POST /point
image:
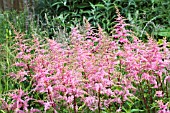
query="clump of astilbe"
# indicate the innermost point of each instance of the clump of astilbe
(18, 100)
(146, 65)
(81, 72)
(19, 103)
(92, 73)
(97, 65)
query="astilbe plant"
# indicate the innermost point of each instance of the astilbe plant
(95, 72)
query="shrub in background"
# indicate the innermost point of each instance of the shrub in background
(150, 16)
(55, 16)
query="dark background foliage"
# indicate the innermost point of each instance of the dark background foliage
(50, 17)
(150, 16)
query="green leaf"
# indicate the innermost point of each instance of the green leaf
(2, 111)
(111, 8)
(81, 107)
(1, 16)
(168, 44)
(153, 1)
(83, 5)
(100, 5)
(65, 64)
(57, 3)
(90, 18)
(98, 16)
(92, 5)
(83, 73)
(126, 110)
(164, 32)
(96, 43)
(136, 110)
(129, 104)
(160, 42)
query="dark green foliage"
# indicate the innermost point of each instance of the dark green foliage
(147, 15)
(150, 16)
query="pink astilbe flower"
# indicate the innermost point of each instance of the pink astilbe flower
(20, 64)
(19, 102)
(159, 94)
(167, 79)
(146, 76)
(119, 29)
(20, 75)
(76, 35)
(47, 105)
(163, 108)
(119, 110)
(91, 102)
(35, 111)
(4, 105)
